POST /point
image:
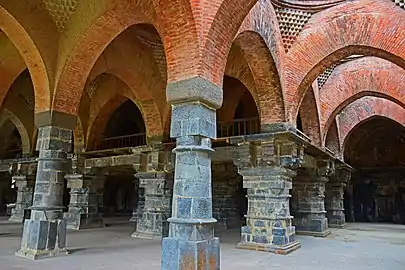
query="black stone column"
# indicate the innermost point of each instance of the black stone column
(24, 177)
(44, 234)
(334, 201)
(268, 165)
(309, 200)
(191, 243)
(156, 205)
(140, 205)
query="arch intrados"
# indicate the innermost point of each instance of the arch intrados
(352, 99)
(334, 58)
(22, 130)
(32, 58)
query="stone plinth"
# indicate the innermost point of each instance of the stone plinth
(268, 163)
(24, 177)
(309, 200)
(44, 234)
(152, 221)
(191, 243)
(334, 201)
(140, 205)
(84, 206)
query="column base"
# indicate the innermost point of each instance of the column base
(81, 221)
(147, 235)
(314, 234)
(281, 250)
(43, 238)
(191, 255)
(17, 219)
(337, 225)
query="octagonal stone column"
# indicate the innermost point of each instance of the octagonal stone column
(191, 243)
(44, 234)
(24, 177)
(268, 164)
(334, 200)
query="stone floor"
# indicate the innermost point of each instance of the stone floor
(359, 246)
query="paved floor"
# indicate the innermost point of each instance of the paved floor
(359, 247)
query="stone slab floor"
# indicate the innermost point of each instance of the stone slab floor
(359, 246)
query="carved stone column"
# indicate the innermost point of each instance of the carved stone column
(191, 243)
(140, 205)
(309, 199)
(268, 162)
(24, 177)
(44, 234)
(84, 187)
(334, 201)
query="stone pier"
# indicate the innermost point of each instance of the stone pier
(268, 162)
(309, 200)
(153, 221)
(4, 185)
(84, 205)
(334, 202)
(24, 177)
(140, 205)
(224, 187)
(191, 243)
(44, 234)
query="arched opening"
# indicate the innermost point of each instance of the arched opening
(10, 141)
(299, 123)
(124, 128)
(239, 114)
(376, 149)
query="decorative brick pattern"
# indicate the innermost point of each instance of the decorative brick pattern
(400, 3)
(291, 22)
(61, 10)
(325, 76)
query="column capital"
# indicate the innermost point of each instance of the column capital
(283, 149)
(24, 169)
(325, 167)
(156, 160)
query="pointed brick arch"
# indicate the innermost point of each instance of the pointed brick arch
(26, 27)
(111, 94)
(369, 76)
(22, 130)
(360, 27)
(362, 110)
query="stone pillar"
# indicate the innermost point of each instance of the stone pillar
(309, 199)
(191, 243)
(334, 201)
(4, 182)
(24, 177)
(157, 201)
(140, 205)
(84, 205)
(225, 183)
(268, 165)
(44, 234)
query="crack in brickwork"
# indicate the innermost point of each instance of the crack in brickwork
(291, 22)
(61, 10)
(400, 3)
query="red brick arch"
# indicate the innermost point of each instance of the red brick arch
(22, 130)
(24, 27)
(86, 41)
(110, 95)
(365, 109)
(367, 27)
(369, 76)
(309, 112)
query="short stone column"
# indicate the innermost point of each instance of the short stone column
(157, 201)
(309, 200)
(84, 207)
(334, 200)
(24, 179)
(140, 205)
(191, 243)
(268, 165)
(44, 234)
(4, 185)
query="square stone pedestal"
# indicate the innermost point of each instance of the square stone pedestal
(43, 238)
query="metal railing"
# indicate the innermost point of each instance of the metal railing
(122, 142)
(238, 127)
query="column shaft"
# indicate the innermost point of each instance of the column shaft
(334, 202)
(309, 197)
(191, 243)
(44, 234)
(24, 180)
